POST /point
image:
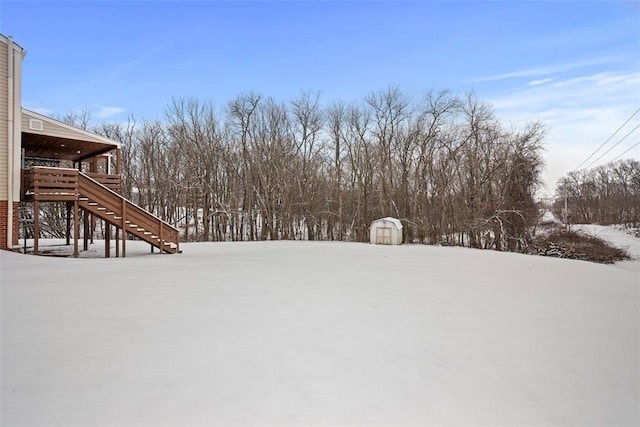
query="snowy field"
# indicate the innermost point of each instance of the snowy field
(303, 333)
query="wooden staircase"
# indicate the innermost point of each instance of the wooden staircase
(115, 209)
(60, 184)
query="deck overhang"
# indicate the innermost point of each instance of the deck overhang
(47, 138)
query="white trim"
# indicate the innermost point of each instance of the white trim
(36, 124)
(10, 133)
(92, 136)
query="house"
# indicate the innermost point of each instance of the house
(386, 231)
(33, 150)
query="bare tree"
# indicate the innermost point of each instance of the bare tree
(607, 194)
(263, 169)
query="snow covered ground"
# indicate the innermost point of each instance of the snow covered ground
(304, 333)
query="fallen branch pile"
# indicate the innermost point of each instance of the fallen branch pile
(559, 250)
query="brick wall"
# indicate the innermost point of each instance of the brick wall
(4, 210)
(16, 223)
(3, 223)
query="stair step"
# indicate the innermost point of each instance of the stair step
(128, 226)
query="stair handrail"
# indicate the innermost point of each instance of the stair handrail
(129, 202)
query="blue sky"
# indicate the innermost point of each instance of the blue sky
(573, 65)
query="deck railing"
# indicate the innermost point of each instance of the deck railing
(59, 184)
(112, 182)
(49, 184)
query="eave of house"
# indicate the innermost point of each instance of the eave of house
(8, 39)
(45, 137)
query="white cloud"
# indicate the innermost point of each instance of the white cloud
(548, 69)
(580, 114)
(541, 81)
(106, 112)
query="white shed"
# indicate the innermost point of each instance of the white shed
(386, 231)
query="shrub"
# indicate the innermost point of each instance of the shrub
(570, 244)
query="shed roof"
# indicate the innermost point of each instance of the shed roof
(395, 221)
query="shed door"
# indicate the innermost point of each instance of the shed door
(383, 235)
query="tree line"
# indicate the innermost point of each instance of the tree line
(607, 194)
(257, 168)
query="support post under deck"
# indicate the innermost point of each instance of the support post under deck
(36, 225)
(161, 237)
(107, 239)
(124, 228)
(115, 227)
(68, 230)
(85, 235)
(76, 227)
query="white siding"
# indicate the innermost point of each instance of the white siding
(10, 168)
(17, 127)
(4, 112)
(55, 128)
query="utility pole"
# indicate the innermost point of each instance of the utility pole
(566, 210)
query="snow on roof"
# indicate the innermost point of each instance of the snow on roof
(395, 221)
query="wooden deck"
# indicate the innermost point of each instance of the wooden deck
(97, 195)
(60, 184)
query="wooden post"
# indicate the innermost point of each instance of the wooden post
(85, 235)
(124, 227)
(68, 231)
(107, 239)
(117, 241)
(160, 236)
(118, 157)
(36, 225)
(92, 169)
(93, 228)
(76, 227)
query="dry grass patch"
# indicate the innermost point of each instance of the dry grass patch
(557, 242)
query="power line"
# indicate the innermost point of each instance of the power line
(626, 151)
(608, 139)
(612, 147)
